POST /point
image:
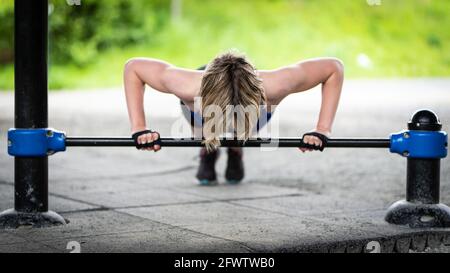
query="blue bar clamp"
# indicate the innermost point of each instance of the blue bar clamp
(420, 144)
(35, 142)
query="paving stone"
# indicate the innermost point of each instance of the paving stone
(403, 245)
(56, 203)
(88, 223)
(28, 247)
(109, 231)
(155, 240)
(216, 213)
(132, 197)
(434, 240)
(337, 248)
(236, 192)
(419, 242)
(387, 245)
(354, 248)
(446, 239)
(7, 238)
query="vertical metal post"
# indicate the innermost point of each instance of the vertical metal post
(423, 180)
(31, 111)
(421, 207)
(31, 173)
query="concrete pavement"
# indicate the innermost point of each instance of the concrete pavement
(124, 200)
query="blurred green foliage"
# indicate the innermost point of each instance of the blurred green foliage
(90, 43)
(79, 33)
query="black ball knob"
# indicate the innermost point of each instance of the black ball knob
(424, 120)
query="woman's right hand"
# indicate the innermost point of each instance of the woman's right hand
(317, 138)
(146, 136)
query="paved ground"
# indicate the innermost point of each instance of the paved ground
(120, 199)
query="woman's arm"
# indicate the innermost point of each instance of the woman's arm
(137, 73)
(305, 75)
(161, 76)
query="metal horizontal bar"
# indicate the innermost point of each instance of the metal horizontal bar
(189, 142)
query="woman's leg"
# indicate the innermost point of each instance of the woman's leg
(234, 172)
(206, 173)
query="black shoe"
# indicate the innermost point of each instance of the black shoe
(206, 173)
(235, 166)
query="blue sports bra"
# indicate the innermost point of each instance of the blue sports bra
(197, 119)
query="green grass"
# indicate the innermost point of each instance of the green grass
(402, 38)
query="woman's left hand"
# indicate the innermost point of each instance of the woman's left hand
(313, 140)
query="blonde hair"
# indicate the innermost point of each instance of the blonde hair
(230, 80)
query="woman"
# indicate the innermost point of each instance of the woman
(230, 79)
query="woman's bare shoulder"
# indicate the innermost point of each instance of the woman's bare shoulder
(276, 83)
(183, 83)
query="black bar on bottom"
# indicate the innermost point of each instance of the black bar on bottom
(31, 184)
(189, 142)
(423, 180)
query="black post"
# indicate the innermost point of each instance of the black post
(422, 180)
(421, 207)
(30, 173)
(31, 100)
